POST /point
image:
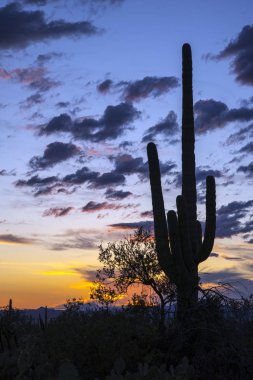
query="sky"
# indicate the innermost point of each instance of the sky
(85, 85)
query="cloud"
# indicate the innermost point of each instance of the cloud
(105, 86)
(140, 89)
(167, 127)
(110, 126)
(63, 104)
(115, 195)
(247, 169)
(4, 172)
(247, 148)
(232, 219)
(13, 239)
(58, 211)
(32, 77)
(127, 164)
(240, 50)
(241, 135)
(36, 181)
(77, 239)
(20, 28)
(149, 86)
(81, 2)
(80, 176)
(88, 273)
(54, 153)
(94, 206)
(107, 179)
(201, 174)
(148, 225)
(44, 58)
(32, 101)
(212, 114)
(146, 214)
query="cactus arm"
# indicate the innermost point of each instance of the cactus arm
(199, 239)
(160, 223)
(210, 227)
(185, 234)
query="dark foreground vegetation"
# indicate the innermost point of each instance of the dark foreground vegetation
(215, 341)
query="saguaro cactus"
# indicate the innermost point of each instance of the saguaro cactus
(179, 242)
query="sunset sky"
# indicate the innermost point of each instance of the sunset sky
(85, 85)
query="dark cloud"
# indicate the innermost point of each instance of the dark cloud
(61, 123)
(82, 2)
(44, 58)
(63, 104)
(201, 174)
(146, 214)
(140, 89)
(148, 225)
(88, 273)
(107, 179)
(232, 219)
(20, 28)
(241, 135)
(212, 114)
(58, 211)
(240, 50)
(127, 164)
(148, 86)
(80, 176)
(105, 86)
(13, 239)
(36, 181)
(247, 169)
(110, 126)
(54, 153)
(247, 148)
(32, 77)
(4, 172)
(32, 101)
(231, 277)
(94, 206)
(167, 127)
(115, 195)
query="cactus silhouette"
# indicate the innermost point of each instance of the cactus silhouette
(179, 242)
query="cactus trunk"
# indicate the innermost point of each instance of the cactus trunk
(179, 240)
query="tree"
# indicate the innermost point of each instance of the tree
(103, 294)
(134, 261)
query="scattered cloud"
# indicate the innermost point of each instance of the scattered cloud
(110, 126)
(247, 169)
(14, 239)
(54, 153)
(212, 114)
(140, 89)
(248, 148)
(20, 28)
(94, 206)
(58, 211)
(167, 127)
(241, 135)
(232, 219)
(35, 78)
(127, 164)
(240, 50)
(115, 195)
(148, 225)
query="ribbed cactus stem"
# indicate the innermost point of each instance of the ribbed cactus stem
(179, 244)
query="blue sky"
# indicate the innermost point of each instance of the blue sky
(85, 85)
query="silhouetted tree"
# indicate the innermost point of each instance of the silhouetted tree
(134, 261)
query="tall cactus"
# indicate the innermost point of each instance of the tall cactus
(179, 242)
